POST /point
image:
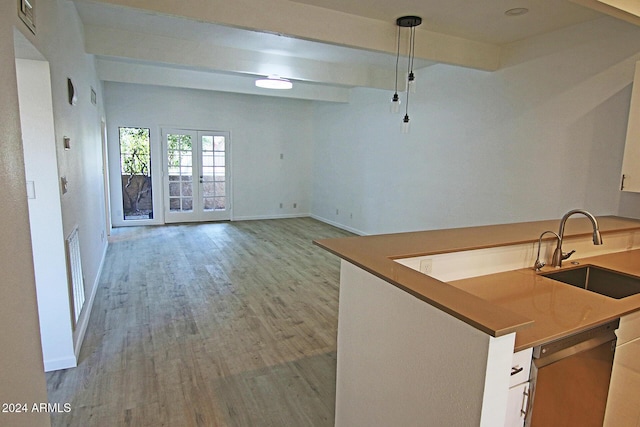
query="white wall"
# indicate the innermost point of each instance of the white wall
(540, 136)
(45, 213)
(22, 376)
(59, 39)
(262, 128)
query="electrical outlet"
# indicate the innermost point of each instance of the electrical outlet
(337, 212)
(426, 266)
(280, 205)
(295, 205)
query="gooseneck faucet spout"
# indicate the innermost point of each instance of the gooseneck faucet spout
(558, 255)
(537, 266)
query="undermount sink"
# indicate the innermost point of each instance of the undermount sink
(598, 280)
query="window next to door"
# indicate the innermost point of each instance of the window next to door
(135, 168)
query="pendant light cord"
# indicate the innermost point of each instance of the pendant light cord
(409, 68)
(412, 52)
(397, 59)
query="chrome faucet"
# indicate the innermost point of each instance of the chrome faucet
(537, 266)
(558, 255)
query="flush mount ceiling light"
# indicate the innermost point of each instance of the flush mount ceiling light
(517, 11)
(410, 22)
(274, 82)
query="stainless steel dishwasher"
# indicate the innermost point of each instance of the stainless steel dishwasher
(570, 379)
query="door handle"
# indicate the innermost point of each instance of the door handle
(516, 370)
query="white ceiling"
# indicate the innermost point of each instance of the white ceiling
(243, 52)
(134, 20)
(482, 20)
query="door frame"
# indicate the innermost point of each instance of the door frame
(195, 216)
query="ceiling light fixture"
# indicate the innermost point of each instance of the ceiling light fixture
(517, 11)
(274, 82)
(410, 22)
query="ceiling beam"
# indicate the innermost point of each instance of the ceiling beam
(115, 70)
(626, 10)
(323, 25)
(151, 48)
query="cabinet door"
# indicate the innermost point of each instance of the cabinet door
(517, 405)
(631, 161)
(520, 367)
(623, 408)
(629, 328)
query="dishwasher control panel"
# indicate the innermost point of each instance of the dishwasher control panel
(605, 332)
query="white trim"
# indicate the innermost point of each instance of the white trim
(258, 217)
(60, 363)
(137, 222)
(496, 383)
(338, 225)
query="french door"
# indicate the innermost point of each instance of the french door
(196, 176)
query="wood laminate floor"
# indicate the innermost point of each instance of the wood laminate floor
(217, 324)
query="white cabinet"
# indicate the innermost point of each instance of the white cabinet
(629, 328)
(518, 400)
(631, 162)
(517, 405)
(623, 404)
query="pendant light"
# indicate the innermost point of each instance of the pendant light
(410, 22)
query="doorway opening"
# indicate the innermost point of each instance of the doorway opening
(196, 175)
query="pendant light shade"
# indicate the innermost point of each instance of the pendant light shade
(395, 103)
(410, 22)
(405, 124)
(274, 82)
(411, 82)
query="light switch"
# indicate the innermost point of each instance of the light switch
(63, 184)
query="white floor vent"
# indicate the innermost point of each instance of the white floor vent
(75, 274)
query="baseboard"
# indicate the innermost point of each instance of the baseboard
(259, 217)
(61, 363)
(338, 225)
(83, 321)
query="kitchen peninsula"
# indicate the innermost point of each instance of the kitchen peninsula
(415, 349)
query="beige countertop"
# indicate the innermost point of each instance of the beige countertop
(557, 309)
(537, 308)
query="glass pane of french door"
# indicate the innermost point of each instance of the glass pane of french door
(180, 168)
(213, 172)
(197, 176)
